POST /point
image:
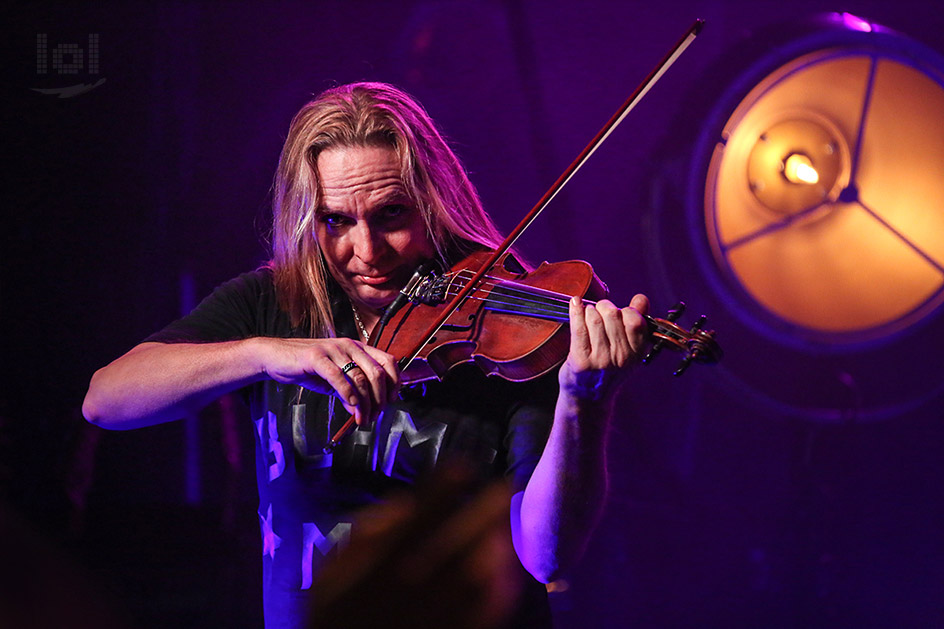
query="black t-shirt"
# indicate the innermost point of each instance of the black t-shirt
(307, 499)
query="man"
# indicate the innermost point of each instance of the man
(366, 190)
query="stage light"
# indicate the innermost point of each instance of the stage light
(823, 196)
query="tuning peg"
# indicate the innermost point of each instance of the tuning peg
(686, 361)
(699, 323)
(653, 351)
(676, 311)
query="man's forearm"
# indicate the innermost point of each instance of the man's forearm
(156, 382)
(553, 518)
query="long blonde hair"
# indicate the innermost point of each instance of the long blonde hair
(365, 114)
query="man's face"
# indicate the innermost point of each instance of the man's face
(371, 234)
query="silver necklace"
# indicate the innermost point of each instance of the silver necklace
(360, 324)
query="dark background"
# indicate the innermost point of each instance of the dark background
(789, 487)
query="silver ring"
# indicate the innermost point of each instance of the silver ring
(346, 368)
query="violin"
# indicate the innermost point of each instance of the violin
(514, 323)
(490, 311)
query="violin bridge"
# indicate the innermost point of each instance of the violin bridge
(430, 290)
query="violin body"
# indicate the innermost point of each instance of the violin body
(488, 328)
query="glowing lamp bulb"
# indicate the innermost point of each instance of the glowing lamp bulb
(798, 168)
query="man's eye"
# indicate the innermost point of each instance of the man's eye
(395, 211)
(332, 220)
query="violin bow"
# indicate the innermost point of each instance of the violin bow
(641, 90)
(601, 136)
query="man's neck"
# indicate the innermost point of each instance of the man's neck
(364, 319)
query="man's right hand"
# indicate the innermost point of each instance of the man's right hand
(323, 365)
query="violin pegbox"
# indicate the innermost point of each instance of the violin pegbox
(695, 344)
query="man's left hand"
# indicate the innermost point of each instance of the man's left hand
(605, 343)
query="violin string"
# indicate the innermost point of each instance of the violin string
(522, 290)
(506, 298)
(515, 298)
(557, 301)
(500, 296)
(558, 315)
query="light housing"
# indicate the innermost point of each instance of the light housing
(857, 255)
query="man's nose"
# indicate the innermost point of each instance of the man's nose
(368, 245)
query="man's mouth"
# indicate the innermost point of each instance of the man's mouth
(376, 280)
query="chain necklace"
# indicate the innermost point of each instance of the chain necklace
(360, 324)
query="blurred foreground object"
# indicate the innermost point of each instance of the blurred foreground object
(440, 557)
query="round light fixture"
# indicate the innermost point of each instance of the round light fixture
(823, 203)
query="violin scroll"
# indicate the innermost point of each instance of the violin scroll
(695, 344)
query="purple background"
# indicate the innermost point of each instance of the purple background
(790, 487)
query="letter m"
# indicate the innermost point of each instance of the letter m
(402, 427)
